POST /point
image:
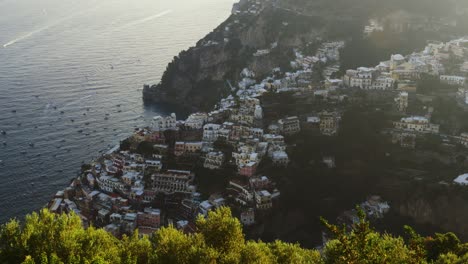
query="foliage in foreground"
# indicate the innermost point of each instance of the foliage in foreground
(49, 238)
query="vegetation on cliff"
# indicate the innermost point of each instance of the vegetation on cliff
(50, 238)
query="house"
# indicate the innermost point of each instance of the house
(248, 169)
(258, 113)
(196, 120)
(406, 71)
(247, 217)
(259, 182)
(329, 123)
(214, 160)
(402, 101)
(464, 67)
(173, 181)
(110, 184)
(396, 60)
(382, 82)
(361, 78)
(154, 164)
(329, 162)
(462, 179)
(464, 139)
(179, 148)
(280, 158)
(289, 125)
(417, 124)
(404, 139)
(149, 218)
(161, 123)
(205, 207)
(187, 148)
(453, 80)
(263, 200)
(211, 132)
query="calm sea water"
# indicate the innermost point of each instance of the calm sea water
(71, 74)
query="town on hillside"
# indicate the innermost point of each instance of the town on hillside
(173, 171)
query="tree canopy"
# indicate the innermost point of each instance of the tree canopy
(45, 237)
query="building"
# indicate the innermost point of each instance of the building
(453, 80)
(149, 218)
(196, 120)
(173, 181)
(404, 139)
(248, 169)
(462, 179)
(290, 125)
(280, 158)
(464, 139)
(187, 148)
(329, 123)
(329, 162)
(402, 101)
(396, 60)
(153, 164)
(211, 132)
(417, 124)
(247, 217)
(258, 113)
(263, 200)
(361, 78)
(161, 123)
(110, 184)
(214, 160)
(179, 148)
(382, 83)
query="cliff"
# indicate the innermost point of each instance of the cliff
(198, 77)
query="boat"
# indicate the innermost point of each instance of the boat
(3, 132)
(31, 145)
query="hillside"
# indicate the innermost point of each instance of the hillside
(198, 77)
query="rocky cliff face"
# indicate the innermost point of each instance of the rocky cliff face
(447, 209)
(198, 77)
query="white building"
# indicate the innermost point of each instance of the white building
(453, 80)
(263, 200)
(258, 113)
(362, 77)
(462, 179)
(211, 132)
(417, 124)
(382, 83)
(161, 123)
(280, 158)
(110, 184)
(396, 60)
(196, 120)
(402, 101)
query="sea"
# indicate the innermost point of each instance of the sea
(71, 78)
